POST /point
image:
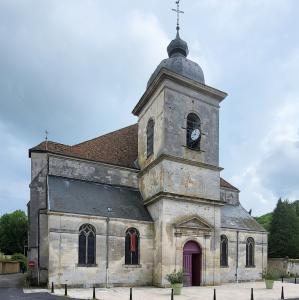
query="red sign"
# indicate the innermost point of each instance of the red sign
(31, 264)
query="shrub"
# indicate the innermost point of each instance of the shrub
(20, 258)
(175, 277)
(271, 276)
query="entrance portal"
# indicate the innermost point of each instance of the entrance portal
(192, 263)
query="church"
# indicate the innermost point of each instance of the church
(131, 206)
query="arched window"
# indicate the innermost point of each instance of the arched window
(150, 137)
(250, 252)
(87, 245)
(193, 136)
(223, 251)
(132, 247)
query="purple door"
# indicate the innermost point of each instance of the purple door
(192, 263)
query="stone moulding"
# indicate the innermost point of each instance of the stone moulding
(177, 159)
(166, 74)
(172, 196)
(193, 222)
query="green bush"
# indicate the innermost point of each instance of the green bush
(175, 277)
(20, 258)
(271, 276)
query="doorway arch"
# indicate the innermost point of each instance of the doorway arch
(192, 261)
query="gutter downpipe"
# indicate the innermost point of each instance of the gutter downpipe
(109, 210)
(237, 257)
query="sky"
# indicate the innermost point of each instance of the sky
(78, 67)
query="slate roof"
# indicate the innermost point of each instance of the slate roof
(236, 217)
(89, 198)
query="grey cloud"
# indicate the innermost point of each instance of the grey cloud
(78, 67)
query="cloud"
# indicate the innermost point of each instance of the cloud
(77, 68)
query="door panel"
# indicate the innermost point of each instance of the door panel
(196, 269)
(187, 266)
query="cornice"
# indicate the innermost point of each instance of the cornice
(182, 80)
(179, 160)
(173, 196)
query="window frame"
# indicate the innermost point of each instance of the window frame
(150, 134)
(193, 122)
(127, 243)
(223, 239)
(87, 230)
(250, 253)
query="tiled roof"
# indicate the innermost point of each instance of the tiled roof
(225, 184)
(118, 148)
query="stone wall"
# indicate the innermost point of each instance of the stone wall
(239, 271)
(169, 107)
(170, 241)
(284, 266)
(43, 164)
(182, 179)
(37, 216)
(63, 250)
(229, 196)
(91, 171)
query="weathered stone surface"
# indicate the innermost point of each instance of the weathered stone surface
(180, 188)
(63, 252)
(90, 171)
(243, 273)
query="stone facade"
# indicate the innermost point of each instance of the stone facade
(176, 193)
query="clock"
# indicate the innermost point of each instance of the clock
(195, 134)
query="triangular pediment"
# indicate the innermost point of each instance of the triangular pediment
(193, 222)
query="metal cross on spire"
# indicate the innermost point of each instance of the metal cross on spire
(46, 135)
(46, 138)
(178, 11)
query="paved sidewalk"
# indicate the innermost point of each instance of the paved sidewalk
(233, 291)
(11, 288)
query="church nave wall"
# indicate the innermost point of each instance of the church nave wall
(228, 274)
(64, 247)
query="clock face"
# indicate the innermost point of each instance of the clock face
(195, 134)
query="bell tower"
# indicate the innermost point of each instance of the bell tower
(178, 120)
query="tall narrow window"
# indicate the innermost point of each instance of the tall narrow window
(250, 252)
(132, 247)
(87, 245)
(193, 135)
(150, 138)
(223, 251)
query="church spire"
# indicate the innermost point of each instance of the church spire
(178, 47)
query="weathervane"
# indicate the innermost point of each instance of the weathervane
(46, 138)
(178, 11)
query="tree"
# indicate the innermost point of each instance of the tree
(13, 232)
(284, 231)
(265, 220)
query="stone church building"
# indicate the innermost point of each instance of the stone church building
(129, 207)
